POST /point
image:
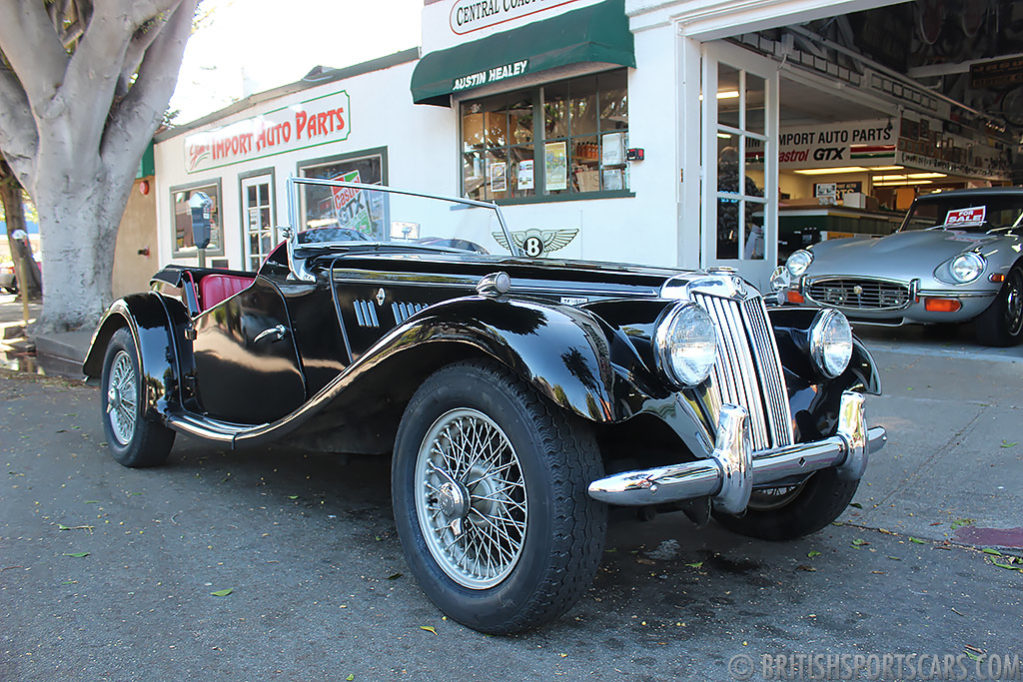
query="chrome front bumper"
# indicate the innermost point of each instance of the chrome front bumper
(730, 473)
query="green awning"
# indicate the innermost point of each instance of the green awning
(597, 33)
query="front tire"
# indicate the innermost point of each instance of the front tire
(134, 440)
(1002, 323)
(489, 491)
(794, 511)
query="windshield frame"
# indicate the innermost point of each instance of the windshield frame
(965, 201)
(298, 264)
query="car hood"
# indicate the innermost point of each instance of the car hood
(903, 255)
(553, 275)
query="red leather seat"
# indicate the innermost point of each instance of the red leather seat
(215, 288)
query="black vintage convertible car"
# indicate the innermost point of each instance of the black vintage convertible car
(518, 397)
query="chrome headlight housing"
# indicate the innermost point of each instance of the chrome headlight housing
(685, 344)
(831, 343)
(798, 262)
(966, 267)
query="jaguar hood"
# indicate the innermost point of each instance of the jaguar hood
(902, 255)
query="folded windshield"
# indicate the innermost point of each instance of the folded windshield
(334, 213)
(978, 212)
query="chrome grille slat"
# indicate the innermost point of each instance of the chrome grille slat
(859, 293)
(748, 370)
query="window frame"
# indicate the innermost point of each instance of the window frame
(192, 251)
(243, 225)
(541, 194)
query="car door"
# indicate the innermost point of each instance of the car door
(246, 363)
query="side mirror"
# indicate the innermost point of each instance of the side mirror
(201, 206)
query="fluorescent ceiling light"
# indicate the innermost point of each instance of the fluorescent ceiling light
(903, 183)
(728, 94)
(885, 168)
(829, 171)
(919, 176)
(725, 136)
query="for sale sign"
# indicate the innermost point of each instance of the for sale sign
(974, 214)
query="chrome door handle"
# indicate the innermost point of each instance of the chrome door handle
(277, 333)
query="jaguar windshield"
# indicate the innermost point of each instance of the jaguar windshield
(338, 215)
(965, 212)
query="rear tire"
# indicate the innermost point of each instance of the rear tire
(134, 440)
(489, 487)
(1002, 323)
(782, 514)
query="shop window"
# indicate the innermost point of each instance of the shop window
(182, 220)
(259, 234)
(565, 138)
(333, 207)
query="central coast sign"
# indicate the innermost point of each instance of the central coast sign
(309, 123)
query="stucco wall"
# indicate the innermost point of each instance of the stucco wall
(138, 231)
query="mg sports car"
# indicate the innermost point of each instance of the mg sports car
(517, 397)
(957, 257)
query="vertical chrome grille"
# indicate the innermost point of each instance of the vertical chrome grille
(748, 370)
(366, 314)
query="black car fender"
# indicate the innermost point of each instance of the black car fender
(149, 318)
(561, 351)
(814, 399)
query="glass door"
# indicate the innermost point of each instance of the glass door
(739, 162)
(260, 236)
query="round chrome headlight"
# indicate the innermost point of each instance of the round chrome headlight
(967, 267)
(798, 262)
(831, 343)
(686, 345)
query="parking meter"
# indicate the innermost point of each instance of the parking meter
(201, 206)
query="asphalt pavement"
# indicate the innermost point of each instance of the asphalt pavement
(110, 573)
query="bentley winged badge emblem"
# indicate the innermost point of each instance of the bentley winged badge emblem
(536, 242)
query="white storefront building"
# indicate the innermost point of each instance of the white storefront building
(584, 118)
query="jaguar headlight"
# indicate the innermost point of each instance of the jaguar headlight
(831, 343)
(798, 262)
(686, 345)
(967, 267)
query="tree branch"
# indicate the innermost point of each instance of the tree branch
(140, 42)
(134, 119)
(19, 138)
(31, 46)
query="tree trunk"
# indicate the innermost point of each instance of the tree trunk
(21, 250)
(78, 252)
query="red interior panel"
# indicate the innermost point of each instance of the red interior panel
(215, 288)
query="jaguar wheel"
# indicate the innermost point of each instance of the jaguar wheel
(489, 492)
(791, 512)
(134, 440)
(1002, 323)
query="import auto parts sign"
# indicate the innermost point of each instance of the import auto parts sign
(853, 143)
(309, 123)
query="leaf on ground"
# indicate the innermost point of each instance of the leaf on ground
(609, 550)
(859, 542)
(973, 656)
(959, 523)
(696, 565)
(61, 526)
(92, 502)
(394, 576)
(222, 593)
(1007, 444)
(917, 540)
(1010, 567)
(645, 562)
(894, 558)
(856, 504)
(428, 628)
(77, 555)
(350, 678)
(989, 550)
(804, 567)
(813, 553)
(879, 573)
(292, 497)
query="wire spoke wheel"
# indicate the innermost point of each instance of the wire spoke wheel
(763, 499)
(470, 497)
(122, 398)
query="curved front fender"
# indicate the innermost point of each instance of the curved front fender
(559, 350)
(147, 317)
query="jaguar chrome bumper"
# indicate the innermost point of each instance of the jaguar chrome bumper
(730, 473)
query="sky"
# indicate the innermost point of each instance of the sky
(248, 46)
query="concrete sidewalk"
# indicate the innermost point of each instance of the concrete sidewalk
(56, 354)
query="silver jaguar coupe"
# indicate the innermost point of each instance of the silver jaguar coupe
(957, 257)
